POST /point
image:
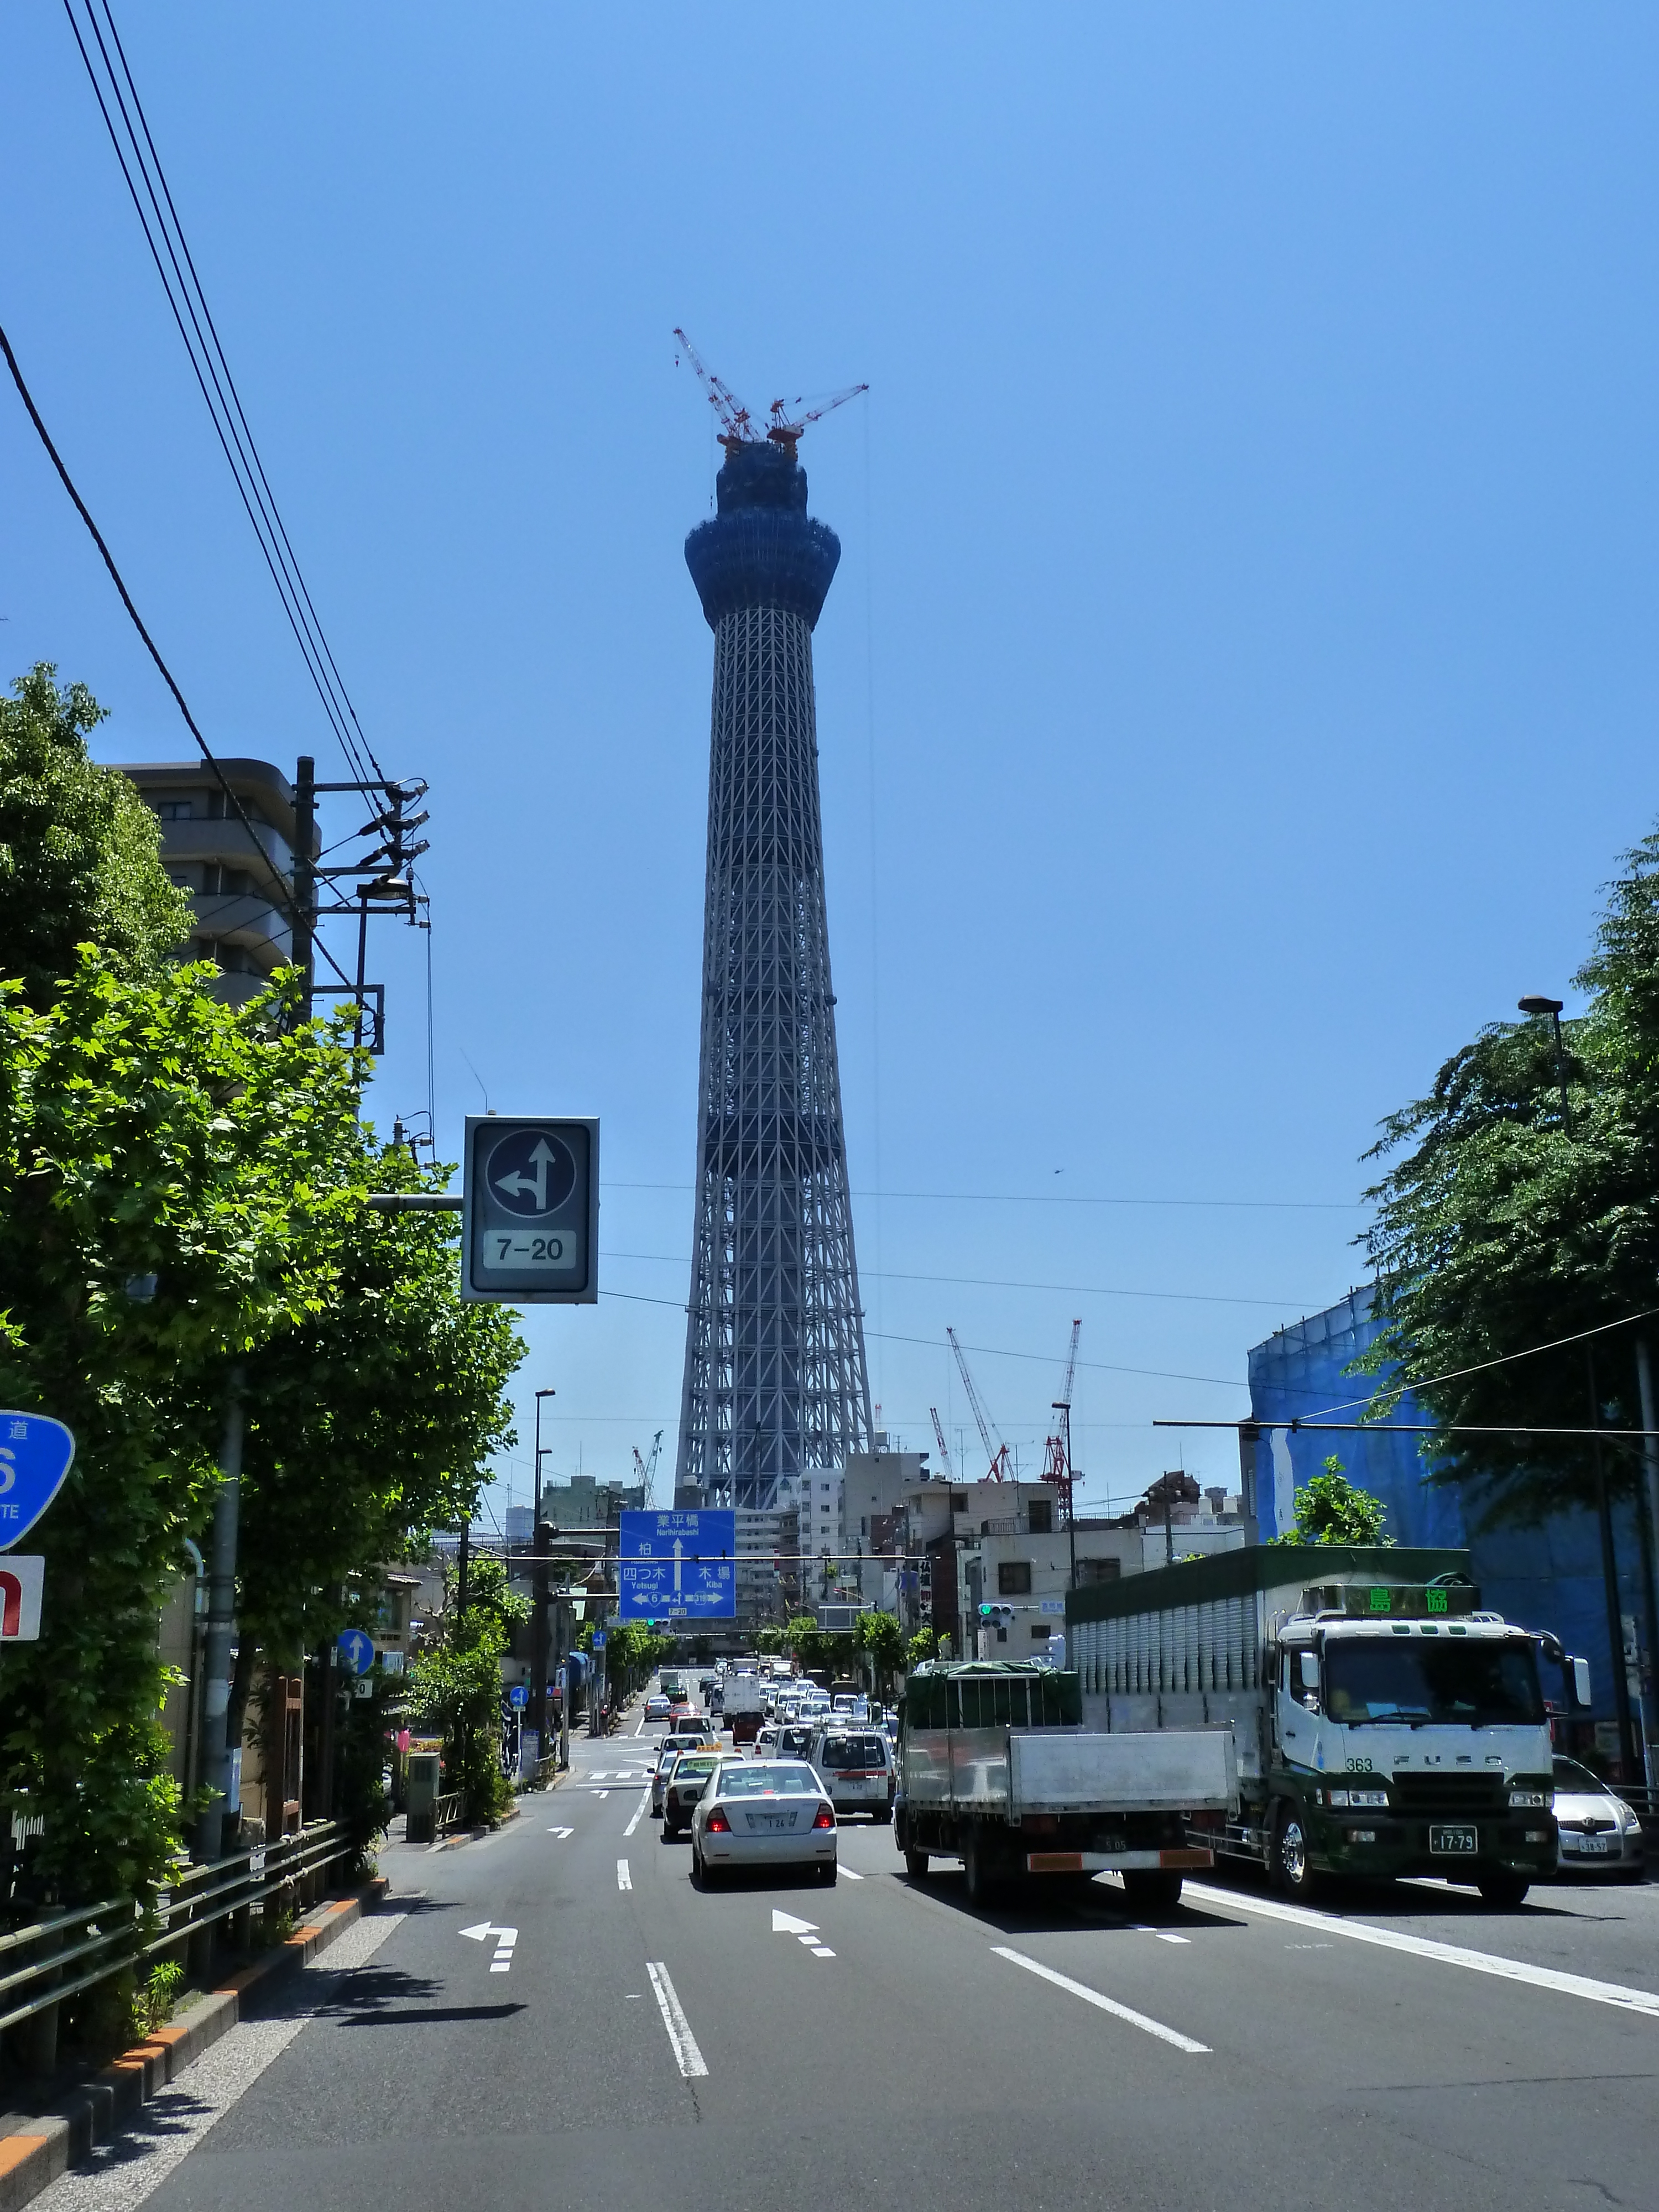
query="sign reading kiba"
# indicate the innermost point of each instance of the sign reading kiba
(530, 1227)
(677, 1564)
(35, 1453)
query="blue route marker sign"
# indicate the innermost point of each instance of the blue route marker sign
(674, 1563)
(35, 1453)
(357, 1650)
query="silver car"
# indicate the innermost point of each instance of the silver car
(1599, 1833)
(763, 1813)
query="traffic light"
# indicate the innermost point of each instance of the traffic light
(1000, 1617)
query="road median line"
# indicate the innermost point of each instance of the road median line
(689, 2058)
(1646, 2002)
(1140, 2019)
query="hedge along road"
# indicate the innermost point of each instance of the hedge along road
(880, 2042)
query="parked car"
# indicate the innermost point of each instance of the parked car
(762, 1812)
(856, 1764)
(1597, 1832)
(683, 1787)
(657, 1707)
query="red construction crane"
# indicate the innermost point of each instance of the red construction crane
(787, 423)
(740, 423)
(1056, 1467)
(997, 1453)
(944, 1449)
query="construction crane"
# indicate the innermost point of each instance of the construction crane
(944, 1449)
(997, 1453)
(1056, 1466)
(786, 422)
(646, 1469)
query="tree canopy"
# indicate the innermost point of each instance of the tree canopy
(79, 849)
(1331, 1509)
(1506, 1224)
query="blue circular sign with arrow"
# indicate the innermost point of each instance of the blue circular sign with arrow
(531, 1173)
(357, 1650)
(35, 1453)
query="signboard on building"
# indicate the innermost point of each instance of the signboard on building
(678, 1565)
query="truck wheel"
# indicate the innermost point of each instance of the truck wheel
(1151, 1893)
(1503, 1888)
(915, 1864)
(1291, 1863)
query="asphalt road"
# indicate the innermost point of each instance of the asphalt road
(639, 2043)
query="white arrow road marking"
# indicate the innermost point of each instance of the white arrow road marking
(639, 1814)
(601, 1793)
(1450, 1955)
(561, 1832)
(505, 1940)
(1094, 1998)
(785, 1924)
(691, 2059)
(625, 1879)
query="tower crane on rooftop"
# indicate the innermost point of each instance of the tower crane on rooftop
(944, 1449)
(646, 1469)
(1056, 1466)
(997, 1453)
(786, 422)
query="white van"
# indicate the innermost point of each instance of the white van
(855, 1763)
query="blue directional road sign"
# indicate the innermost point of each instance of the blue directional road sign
(357, 1650)
(678, 1563)
(529, 1227)
(34, 1457)
(518, 1697)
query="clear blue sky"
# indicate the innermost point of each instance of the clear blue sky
(1240, 677)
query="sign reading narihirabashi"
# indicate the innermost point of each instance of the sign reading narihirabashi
(674, 1564)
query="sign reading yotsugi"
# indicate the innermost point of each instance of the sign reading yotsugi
(531, 1210)
(669, 1564)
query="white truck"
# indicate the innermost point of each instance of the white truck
(995, 1767)
(1384, 1724)
(745, 1707)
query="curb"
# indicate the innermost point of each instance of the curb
(36, 2148)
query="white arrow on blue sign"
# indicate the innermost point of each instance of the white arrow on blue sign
(518, 1697)
(357, 1650)
(35, 1453)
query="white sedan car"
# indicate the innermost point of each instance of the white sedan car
(763, 1813)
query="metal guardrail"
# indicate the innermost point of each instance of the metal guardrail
(103, 1939)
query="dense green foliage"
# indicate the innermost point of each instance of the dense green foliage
(455, 1686)
(1502, 1229)
(882, 1641)
(1331, 1509)
(78, 846)
(922, 1646)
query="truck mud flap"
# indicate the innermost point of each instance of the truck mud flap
(1187, 1860)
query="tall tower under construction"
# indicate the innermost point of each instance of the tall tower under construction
(776, 1378)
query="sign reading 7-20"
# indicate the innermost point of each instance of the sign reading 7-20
(673, 1563)
(531, 1210)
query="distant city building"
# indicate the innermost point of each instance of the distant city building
(521, 1524)
(237, 885)
(583, 1502)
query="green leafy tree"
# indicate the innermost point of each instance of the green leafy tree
(806, 1640)
(1331, 1509)
(79, 856)
(768, 1640)
(456, 1685)
(922, 1646)
(882, 1640)
(1505, 1224)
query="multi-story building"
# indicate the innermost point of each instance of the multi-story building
(585, 1502)
(238, 885)
(768, 1571)
(873, 1486)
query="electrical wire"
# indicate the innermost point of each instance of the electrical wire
(185, 297)
(1045, 1198)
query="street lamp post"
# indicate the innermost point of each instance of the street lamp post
(1629, 1748)
(539, 1587)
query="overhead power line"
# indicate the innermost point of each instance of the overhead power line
(123, 112)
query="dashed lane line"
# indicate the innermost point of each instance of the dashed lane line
(1140, 2019)
(687, 2056)
(639, 1813)
(1424, 1946)
(625, 1879)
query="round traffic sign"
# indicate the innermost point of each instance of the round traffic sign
(530, 1173)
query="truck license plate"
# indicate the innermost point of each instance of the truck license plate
(1455, 1842)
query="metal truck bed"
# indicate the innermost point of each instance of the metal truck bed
(1014, 1772)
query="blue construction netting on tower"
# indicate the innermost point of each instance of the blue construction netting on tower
(1545, 1577)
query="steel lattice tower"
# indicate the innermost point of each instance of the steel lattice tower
(775, 1379)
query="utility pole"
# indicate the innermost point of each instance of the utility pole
(305, 881)
(542, 1538)
(220, 1756)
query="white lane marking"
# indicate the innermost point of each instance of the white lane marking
(822, 1951)
(601, 1793)
(561, 1832)
(599, 1774)
(690, 2058)
(175, 2120)
(1449, 1954)
(847, 1875)
(639, 1814)
(1106, 2004)
(811, 1942)
(505, 1940)
(1163, 1935)
(785, 1924)
(625, 1879)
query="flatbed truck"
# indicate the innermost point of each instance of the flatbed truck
(1384, 1724)
(995, 1767)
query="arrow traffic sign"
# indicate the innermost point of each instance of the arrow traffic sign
(357, 1650)
(530, 1209)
